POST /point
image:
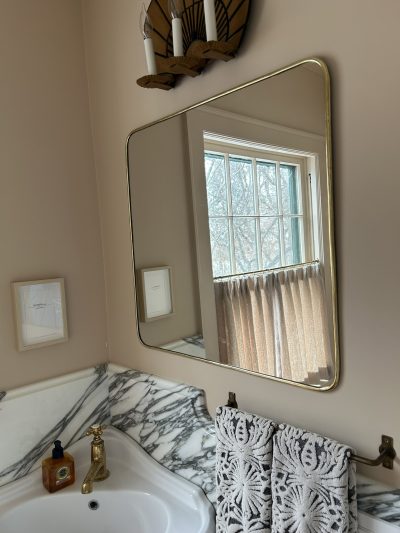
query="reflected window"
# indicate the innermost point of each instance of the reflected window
(259, 205)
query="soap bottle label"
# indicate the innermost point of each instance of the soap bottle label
(63, 474)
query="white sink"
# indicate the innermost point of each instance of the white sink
(140, 496)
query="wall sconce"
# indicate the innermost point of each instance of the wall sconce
(182, 36)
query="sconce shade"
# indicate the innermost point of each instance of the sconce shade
(145, 23)
(175, 8)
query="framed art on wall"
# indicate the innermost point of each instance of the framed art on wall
(156, 293)
(40, 313)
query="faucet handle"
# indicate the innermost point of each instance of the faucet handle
(96, 430)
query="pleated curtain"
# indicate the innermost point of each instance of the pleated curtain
(276, 323)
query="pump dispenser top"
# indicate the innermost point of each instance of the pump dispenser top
(58, 450)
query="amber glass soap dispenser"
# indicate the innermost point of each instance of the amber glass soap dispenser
(58, 471)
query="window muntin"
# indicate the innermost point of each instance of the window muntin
(258, 205)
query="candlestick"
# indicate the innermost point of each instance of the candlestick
(211, 21)
(177, 37)
(146, 28)
(176, 10)
(150, 56)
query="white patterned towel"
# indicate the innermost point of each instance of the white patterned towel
(313, 484)
(244, 458)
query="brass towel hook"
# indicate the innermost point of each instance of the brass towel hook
(232, 400)
(386, 456)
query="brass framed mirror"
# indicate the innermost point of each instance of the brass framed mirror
(234, 195)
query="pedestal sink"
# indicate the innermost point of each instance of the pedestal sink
(140, 496)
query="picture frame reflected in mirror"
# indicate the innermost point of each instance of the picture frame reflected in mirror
(156, 293)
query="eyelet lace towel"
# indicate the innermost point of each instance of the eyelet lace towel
(243, 468)
(313, 484)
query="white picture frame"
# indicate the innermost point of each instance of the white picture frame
(156, 293)
(40, 313)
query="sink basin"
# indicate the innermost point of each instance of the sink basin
(140, 496)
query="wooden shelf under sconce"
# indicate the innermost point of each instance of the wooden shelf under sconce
(218, 50)
(184, 65)
(231, 17)
(157, 81)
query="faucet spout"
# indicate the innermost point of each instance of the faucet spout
(98, 469)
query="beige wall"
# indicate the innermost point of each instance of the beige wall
(49, 223)
(163, 218)
(295, 99)
(360, 42)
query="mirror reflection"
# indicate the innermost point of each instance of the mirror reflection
(232, 229)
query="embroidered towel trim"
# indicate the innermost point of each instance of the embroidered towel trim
(313, 484)
(243, 470)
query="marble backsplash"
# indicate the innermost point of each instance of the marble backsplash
(378, 500)
(32, 417)
(169, 420)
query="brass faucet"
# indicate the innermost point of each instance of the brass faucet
(98, 469)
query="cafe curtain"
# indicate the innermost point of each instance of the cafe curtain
(275, 323)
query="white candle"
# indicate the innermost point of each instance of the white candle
(177, 37)
(211, 22)
(150, 56)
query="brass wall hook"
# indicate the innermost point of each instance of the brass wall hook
(386, 456)
(232, 400)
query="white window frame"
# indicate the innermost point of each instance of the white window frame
(230, 147)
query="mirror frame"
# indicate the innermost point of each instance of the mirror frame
(333, 317)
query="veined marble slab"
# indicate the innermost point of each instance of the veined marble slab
(32, 417)
(378, 500)
(170, 421)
